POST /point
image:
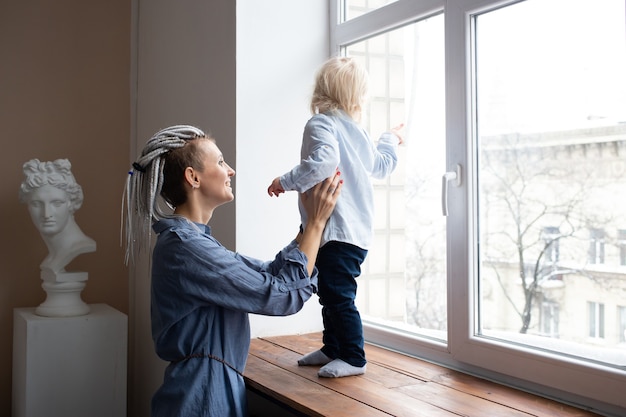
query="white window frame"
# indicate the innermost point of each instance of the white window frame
(564, 378)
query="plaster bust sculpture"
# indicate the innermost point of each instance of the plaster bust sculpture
(53, 196)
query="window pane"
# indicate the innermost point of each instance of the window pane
(621, 244)
(621, 323)
(355, 8)
(551, 148)
(403, 283)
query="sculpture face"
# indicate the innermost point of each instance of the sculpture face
(50, 209)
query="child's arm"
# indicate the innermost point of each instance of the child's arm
(320, 158)
(397, 131)
(387, 158)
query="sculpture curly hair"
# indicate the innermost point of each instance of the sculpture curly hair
(56, 173)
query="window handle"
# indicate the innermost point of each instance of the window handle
(447, 177)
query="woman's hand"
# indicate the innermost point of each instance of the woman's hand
(319, 203)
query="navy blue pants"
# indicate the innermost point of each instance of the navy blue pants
(339, 264)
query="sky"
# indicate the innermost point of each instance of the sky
(551, 65)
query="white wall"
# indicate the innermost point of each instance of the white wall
(279, 48)
(242, 71)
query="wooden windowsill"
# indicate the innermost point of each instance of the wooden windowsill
(394, 385)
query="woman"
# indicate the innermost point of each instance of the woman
(202, 292)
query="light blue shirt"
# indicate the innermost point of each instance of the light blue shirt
(334, 140)
(201, 296)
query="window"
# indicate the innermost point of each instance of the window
(525, 154)
(550, 238)
(621, 243)
(621, 320)
(550, 319)
(404, 277)
(355, 8)
(596, 246)
(596, 320)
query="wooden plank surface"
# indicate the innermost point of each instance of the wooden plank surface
(358, 389)
(299, 394)
(394, 385)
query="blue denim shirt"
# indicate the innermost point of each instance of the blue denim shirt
(334, 140)
(201, 296)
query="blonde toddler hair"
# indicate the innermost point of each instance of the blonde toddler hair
(341, 84)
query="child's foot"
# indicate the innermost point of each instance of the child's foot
(339, 368)
(314, 358)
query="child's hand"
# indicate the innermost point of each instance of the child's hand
(275, 188)
(396, 131)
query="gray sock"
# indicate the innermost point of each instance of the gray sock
(314, 358)
(339, 368)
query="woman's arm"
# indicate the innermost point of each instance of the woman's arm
(271, 266)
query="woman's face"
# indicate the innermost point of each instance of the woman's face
(214, 181)
(50, 209)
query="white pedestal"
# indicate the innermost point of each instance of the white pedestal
(70, 366)
(63, 294)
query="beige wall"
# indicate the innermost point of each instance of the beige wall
(64, 93)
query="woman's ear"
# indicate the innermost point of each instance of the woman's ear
(190, 177)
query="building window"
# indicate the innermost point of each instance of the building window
(621, 243)
(621, 320)
(596, 319)
(550, 319)
(596, 246)
(550, 237)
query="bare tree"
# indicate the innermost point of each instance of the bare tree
(532, 200)
(426, 267)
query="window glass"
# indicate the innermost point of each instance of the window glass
(551, 149)
(355, 8)
(596, 320)
(530, 283)
(621, 323)
(403, 283)
(621, 245)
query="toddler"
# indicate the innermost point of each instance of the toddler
(334, 141)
